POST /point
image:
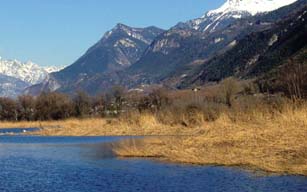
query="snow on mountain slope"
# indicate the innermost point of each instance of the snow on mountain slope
(28, 72)
(11, 87)
(251, 6)
(232, 10)
(53, 69)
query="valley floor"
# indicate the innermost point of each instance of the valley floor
(273, 142)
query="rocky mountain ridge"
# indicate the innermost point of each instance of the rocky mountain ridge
(173, 56)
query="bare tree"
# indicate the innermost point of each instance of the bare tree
(53, 106)
(293, 78)
(99, 105)
(115, 98)
(228, 89)
(82, 104)
(26, 107)
(8, 109)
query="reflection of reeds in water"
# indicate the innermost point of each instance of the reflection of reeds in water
(108, 150)
(100, 151)
(138, 147)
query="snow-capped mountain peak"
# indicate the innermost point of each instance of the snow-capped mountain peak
(232, 10)
(28, 72)
(253, 7)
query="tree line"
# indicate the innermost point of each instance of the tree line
(58, 106)
(290, 80)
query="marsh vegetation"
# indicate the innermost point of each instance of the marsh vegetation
(230, 123)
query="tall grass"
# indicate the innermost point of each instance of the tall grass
(263, 136)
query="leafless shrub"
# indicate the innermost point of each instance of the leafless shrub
(53, 106)
(26, 107)
(293, 77)
(8, 109)
(228, 89)
(82, 104)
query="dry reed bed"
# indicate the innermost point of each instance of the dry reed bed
(274, 141)
(260, 140)
(22, 124)
(145, 125)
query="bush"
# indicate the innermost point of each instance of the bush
(192, 116)
(99, 106)
(228, 89)
(26, 108)
(115, 99)
(293, 78)
(154, 101)
(8, 109)
(53, 106)
(212, 110)
(82, 104)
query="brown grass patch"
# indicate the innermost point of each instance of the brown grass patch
(275, 143)
(140, 125)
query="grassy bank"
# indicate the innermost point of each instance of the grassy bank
(257, 137)
(146, 125)
(269, 140)
(274, 142)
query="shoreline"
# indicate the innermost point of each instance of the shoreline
(248, 168)
(262, 141)
(103, 127)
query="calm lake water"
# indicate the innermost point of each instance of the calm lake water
(84, 164)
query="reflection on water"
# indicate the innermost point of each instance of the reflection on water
(85, 164)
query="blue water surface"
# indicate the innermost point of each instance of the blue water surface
(86, 164)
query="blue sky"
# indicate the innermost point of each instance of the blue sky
(57, 32)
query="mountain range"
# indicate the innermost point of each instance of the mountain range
(242, 38)
(117, 50)
(15, 76)
(258, 52)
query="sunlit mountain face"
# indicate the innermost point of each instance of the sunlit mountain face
(133, 57)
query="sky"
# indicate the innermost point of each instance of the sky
(58, 32)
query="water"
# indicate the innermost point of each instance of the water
(16, 131)
(84, 164)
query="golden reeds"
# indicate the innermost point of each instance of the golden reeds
(275, 143)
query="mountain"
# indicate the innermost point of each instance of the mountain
(184, 48)
(15, 76)
(28, 72)
(181, 50)
(11, 87)
(176, 57)
(118, 49)
(232, 10)
(53, 69)
(259, 52)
